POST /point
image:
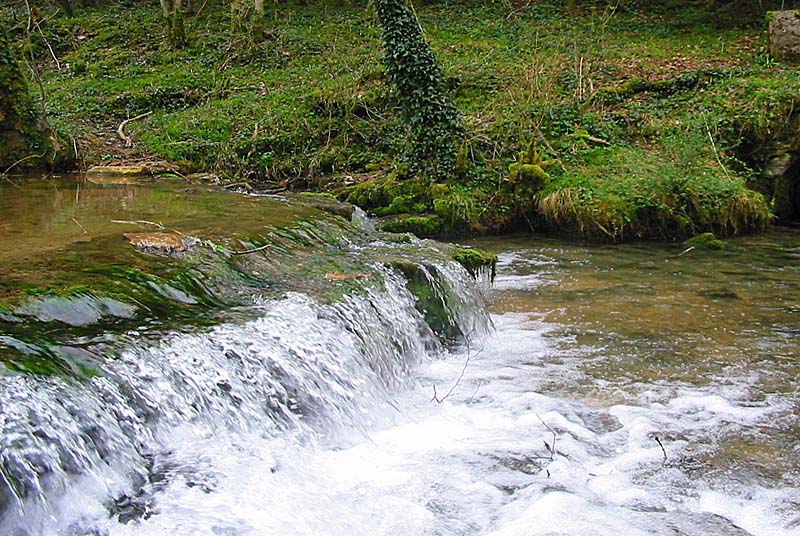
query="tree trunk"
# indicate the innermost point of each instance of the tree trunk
(173, 16)
(412, 67)
(26, 141)
(248, 20)
(258, 20)
(66, 5)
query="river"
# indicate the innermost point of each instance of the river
(629, 389)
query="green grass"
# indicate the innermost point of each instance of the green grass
(628, 103)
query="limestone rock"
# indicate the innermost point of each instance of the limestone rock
(784, 35)
(126, 171)
(158, 242)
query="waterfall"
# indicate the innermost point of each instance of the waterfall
(76, 450)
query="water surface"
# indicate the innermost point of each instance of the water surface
(629, 389)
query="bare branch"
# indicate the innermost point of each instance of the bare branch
(140, 222)
(121, 129)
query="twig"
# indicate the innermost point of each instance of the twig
(79, 225)
(550, 449)
(663, 450)
(550, 148)
(121, 128)
(254, 250)
(460, 376)
(684, 252)
(201, 8)
(140, 222)
(714, 146)
(39, 29)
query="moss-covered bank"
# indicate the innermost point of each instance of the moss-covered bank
(649, 122)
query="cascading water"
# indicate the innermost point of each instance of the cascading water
(355, 386)
(156, 411)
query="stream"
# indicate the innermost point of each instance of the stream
(304, 389)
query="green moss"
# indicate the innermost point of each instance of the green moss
(705, 241)
(403, 204)
(531, 174)
(476, 260)
(373, 194)
(432, 297)
(421, 226)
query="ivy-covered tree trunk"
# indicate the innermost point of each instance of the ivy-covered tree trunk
(434, 122)
(25, 139)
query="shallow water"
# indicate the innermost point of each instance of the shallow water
(632, 389)
(558, 422)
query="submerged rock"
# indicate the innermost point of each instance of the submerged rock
(784, 35)
(324, 203)
(705, 241)
(160, 242)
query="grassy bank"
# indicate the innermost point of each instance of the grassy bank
(613, 125)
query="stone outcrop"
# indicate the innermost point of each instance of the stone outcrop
(784, 35)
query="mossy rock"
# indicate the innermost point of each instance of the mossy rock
(432, 298)
(372, 194)
(421, 226)
(476, 260)
(705, 241)
(619, 93)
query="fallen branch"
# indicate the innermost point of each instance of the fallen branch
(121, 128)
(21, 160)
(598, 141)
(238, 184)
(140, 222)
